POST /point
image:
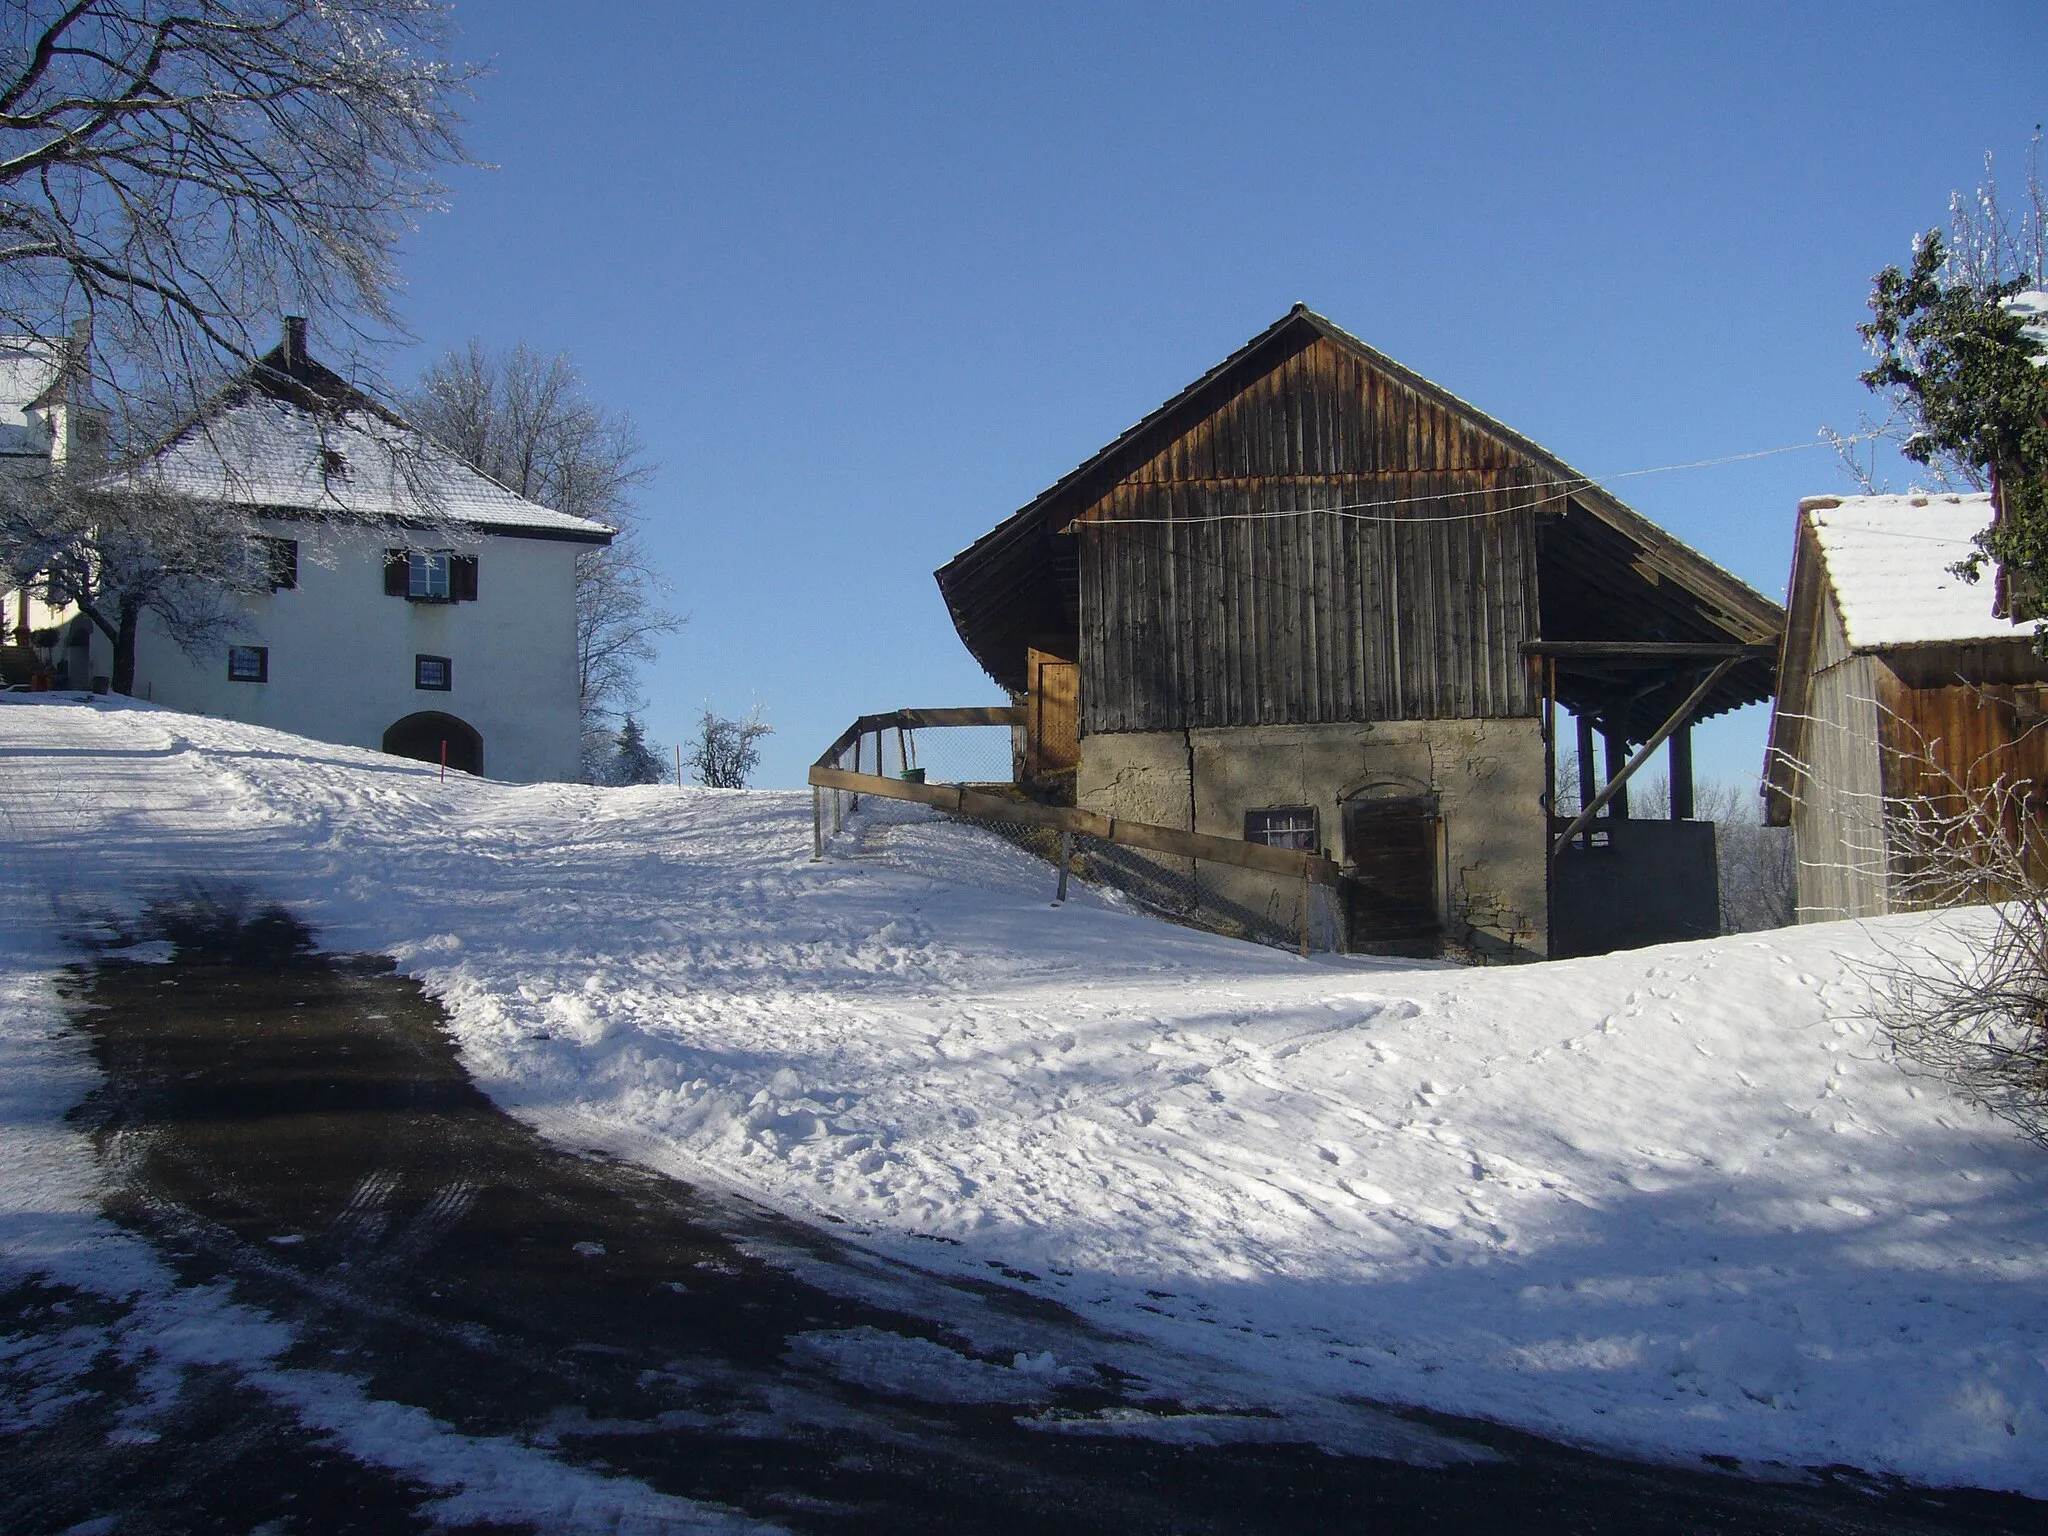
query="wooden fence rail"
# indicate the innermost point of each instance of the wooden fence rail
(964, 800)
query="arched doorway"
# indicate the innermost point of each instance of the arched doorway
(421, 735)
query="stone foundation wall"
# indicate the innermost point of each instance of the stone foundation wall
(1486, 776)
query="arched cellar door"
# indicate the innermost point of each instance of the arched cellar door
(421, 735)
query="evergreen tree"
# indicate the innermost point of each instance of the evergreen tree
(634, 760)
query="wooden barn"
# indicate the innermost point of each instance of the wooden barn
(1900, 682)
(1318, 601)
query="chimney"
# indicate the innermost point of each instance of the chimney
(294, 341)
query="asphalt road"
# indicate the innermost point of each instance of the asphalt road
(296, 1128)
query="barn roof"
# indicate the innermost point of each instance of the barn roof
(1889, 563)
(1627, 579)
(294, 438)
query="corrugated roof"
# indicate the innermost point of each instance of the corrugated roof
(1889, 562)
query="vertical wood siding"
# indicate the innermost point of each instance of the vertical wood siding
(1313, 619)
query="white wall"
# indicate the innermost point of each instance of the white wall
(341, 652)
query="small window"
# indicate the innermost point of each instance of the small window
(435, 673)
(274, 562)
(248, 663)
(1285, 826)
(427, 578)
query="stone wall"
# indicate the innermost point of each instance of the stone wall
(1485, 775)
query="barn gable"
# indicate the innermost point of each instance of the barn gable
(1435, 545)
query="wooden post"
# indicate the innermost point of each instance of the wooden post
(1681, 773)
(853, 801)
(444, 762)
(1306, 911)
(1586, 785)
(1617, 781)
(1066, 857)
(1679, 717)
(817, 824)
(679, 765)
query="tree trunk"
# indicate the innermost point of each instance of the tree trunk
(124, 646)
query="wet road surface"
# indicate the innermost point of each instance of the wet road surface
(296, 1127)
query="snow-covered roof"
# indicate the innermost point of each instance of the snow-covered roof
(291, 436)
(272, 453)
(1888, 562)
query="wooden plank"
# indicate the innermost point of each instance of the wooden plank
(1643, 650)
(1110, 829)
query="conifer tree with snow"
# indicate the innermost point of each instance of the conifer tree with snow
(634, 760)
(1957, 339)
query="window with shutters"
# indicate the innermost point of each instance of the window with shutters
(1284, 826)
(430, 575)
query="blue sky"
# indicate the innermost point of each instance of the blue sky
(869, 278)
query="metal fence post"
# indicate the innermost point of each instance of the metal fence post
(1066, 858)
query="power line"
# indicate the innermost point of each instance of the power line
(1364, 511)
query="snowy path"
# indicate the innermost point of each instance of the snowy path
(1675, 1201)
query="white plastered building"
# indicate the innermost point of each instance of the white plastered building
(415, 605)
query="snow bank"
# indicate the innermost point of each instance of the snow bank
(1677, 1201)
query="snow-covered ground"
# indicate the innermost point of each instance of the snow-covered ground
(1677, 1201)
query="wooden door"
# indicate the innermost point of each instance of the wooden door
(1390, 877)
(1053, 747)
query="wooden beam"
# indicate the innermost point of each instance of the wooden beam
(1645, 650)
(1109, 829)
(989, 714)
(1679, 717)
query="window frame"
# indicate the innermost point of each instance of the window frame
(1260, 827)
(447, 665)
(262, 655)
(276, 559)
(421, 565)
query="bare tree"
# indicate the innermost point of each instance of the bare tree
(1975, 1014)
(525, 419)
(181, 171)
(117, 552)
(727, 751)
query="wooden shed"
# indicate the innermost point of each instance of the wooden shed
(1316, 599)
(1900, 682)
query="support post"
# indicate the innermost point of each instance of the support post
(817, 824)
(1307, 911)
(1586, 764)
(1617, 777)
(1679, 716)
(1066, 857)
(1681, 773)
